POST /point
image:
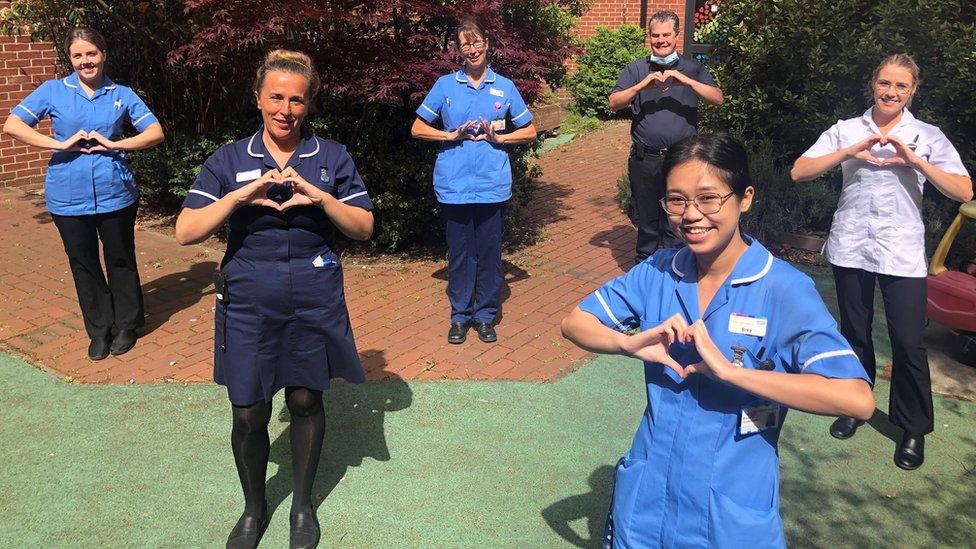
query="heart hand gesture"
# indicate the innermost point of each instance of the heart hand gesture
(304, 193)
(255, 193)
(652, 344)
(713, 363)
(904, 154)
(862, 150)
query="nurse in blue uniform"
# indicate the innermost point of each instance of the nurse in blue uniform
(281, 317)
(89, 189)
(480, 112)
(731, 338)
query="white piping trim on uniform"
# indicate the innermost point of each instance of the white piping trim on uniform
(757, 276)
(251, 142)
(112, 87)
(457, 76)
(828, 354)
(141, 117)
(313, 153)
(674, 265)
(429, 110)
(493, 75)
(350, 197)
(29, 112)
(520, 116)
(65, 81)
(208, 195)
(609, 313)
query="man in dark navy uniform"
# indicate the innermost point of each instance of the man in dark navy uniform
(662, 91)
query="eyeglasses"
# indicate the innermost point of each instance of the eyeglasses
(707, 203)
(476, 45)
(900, 88)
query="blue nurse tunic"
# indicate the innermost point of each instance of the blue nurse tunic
(703, 469)
(282, 319)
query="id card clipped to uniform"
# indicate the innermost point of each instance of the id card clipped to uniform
(757, 417)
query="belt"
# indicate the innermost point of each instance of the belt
(641, 150)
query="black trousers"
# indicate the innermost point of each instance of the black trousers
(645, 211)
(910, 401)
(116, 301)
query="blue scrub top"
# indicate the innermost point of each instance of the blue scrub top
(691, 478)
(79, 183)
(466, 171)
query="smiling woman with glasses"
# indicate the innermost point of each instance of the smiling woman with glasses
(479, 113)
(730, 338)
(877, 235)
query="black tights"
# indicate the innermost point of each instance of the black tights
(251, 445)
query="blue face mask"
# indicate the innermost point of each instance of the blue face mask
(666, 61)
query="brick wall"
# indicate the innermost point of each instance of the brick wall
(613, 13)
(23, 66)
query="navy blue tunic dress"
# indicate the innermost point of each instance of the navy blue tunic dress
(282, 320)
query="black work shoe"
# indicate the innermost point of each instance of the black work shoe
(486, 332)
(844, 427)
(305, 532)
(98, 349)
(910, 454)
(248, 530)
(458, 332)
(123, 342)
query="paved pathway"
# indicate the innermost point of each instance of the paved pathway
(399, 310)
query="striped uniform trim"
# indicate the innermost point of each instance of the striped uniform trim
(208, 195)
(350, 197)
(28, 112)
(610, 314)
(757, 276)
(141, 118)
(828, 354)
(526, 111)
(429, 109)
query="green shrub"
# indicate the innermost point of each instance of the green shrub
(605, 54)
(579, 124)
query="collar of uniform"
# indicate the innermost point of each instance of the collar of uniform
(71, 81)
(463, 78)
(307, 146)
(753, 265)
(907, 118)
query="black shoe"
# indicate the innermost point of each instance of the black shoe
(123, 342)
(98, 349)
(844, 427)
(486, 332)
(248, 530)
(910, 454)
(458, 332)
(305, 532)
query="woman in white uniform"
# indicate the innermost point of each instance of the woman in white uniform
(877, 234)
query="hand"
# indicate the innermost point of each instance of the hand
(904, 156)
(677, 78)
(652, 80)
(652, 344)
(487, 133)
(75, 143)
(862, 150)
(255, 193)
(713, 363)
(304, 193)
(461, 132)
(101, 143)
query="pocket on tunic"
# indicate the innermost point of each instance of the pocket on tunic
(733, 525)
(626, 487)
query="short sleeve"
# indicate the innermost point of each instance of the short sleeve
(35, 106)
(209, 186)
(430, 108)
(139, 113)
(350, 188)
(627, 78)
(828, 142)
(944, 156)
(810, 342)
(518, 110)
(618, 304)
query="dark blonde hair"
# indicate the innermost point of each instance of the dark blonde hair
(86, 34)
(470, 28)
(904, 61)
(294, 62)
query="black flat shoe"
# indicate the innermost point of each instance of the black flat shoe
(248, 530)
(305, 531)
(486, 332)
(844, 427)
(458, 332)
(910, 454)
(123, 342)
(98, 349)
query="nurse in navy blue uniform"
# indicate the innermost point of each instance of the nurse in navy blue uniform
(89, 188)
(480, 112)
(281, 318)
(731, 338)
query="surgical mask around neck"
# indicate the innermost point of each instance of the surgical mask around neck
(671, 59)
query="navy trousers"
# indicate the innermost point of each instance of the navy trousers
(474, 260)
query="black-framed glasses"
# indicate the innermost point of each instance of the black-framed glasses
(707, 203)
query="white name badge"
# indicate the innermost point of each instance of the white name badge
(248, 176)
(748, 325)
(753, 419)
(496, 92)
(498, 125)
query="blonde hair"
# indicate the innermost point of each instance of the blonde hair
(294, 62)
(902, 60)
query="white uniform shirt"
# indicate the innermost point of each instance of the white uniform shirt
(878, 223)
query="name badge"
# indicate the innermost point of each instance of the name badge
(248, 175)
(756, 418)
(498, 125)
(748, 325)
(496, 92)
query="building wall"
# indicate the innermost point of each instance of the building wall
(23, 66)
(613, 13)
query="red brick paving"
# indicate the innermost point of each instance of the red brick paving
(399, 310)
